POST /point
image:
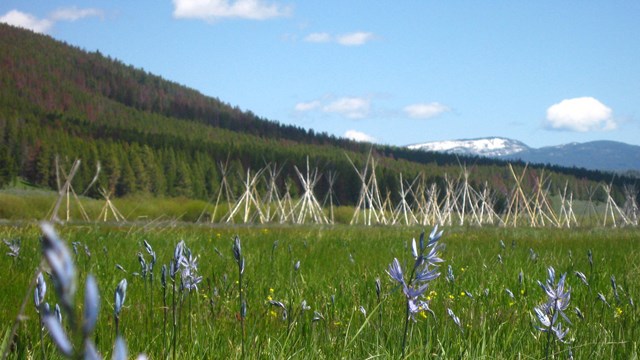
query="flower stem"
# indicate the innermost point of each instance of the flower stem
(241, 312)
(406, 328)
(175, 323)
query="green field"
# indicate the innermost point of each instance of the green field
(336, 277)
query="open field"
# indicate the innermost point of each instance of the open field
(336, 277)
(25, 203)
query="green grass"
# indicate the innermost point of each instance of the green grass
(495, 326)
(17, 204)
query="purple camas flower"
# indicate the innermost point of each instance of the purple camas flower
(163, 276)
(143, 265)
(578, 313)
(40, 291)
(421, 274)
(119, 296)
(58, 335)
(455, 319)
(395, 271)
(237, 248)
(558, 297)
(190, 279)
(603, 299)
(281, 306)
(582, 277)
(14, 247)
(450, 277)
(510, 293)
(91, 305)
(62, 269)
(614, 286)
(178, 253)
(148, 247)
(237, 254)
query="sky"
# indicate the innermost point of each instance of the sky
(391, 72)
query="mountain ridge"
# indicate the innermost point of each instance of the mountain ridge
(487, 146)
(604, 155)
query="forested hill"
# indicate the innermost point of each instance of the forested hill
(155, 136)
(53, 77)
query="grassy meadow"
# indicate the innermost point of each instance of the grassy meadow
(336, 278)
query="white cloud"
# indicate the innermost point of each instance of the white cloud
(28, 21)
(354, 39)
(73, 14)
(359, 136)
(216, 9)
(425, 111)
(580, 114)
(318, 37)
(351, 107)
(308, 106)
(351, 39)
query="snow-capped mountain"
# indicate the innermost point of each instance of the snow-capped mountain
(490, 147)
(594, 155)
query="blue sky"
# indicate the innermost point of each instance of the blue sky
(394, 72)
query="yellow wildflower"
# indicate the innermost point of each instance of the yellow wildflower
(618, 312)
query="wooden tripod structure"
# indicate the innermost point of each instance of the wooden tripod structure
(66, 191)
(109, 208)
(308, 205)
(248, 201)
(370, 204)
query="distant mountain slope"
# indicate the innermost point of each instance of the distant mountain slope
(594, 155)
(491, 147)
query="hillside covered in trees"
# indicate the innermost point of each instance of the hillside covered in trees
(157, 137)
